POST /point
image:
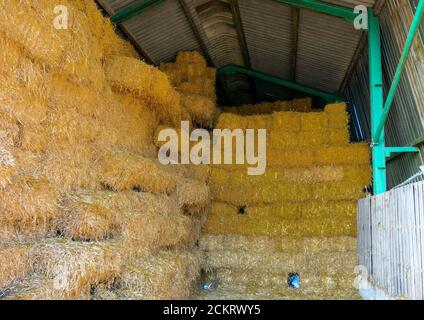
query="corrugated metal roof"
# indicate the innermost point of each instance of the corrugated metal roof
(325, 47)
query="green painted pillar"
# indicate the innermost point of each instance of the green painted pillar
(377, 102)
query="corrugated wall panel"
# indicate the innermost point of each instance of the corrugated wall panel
(406, 120)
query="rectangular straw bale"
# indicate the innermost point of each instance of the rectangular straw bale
(10, 54)
(126, 171)
(30, 24)
(326, 227)
(7, 167)
(191, 195)
(112, 44)
(191, 57)
(29, 201)
(167, 226)
(337, 191)
(231, 121)
(38, 287)
(241, 194)
(146, 82)
(202, 110)
(328, 209)
(313, 175)
(259, 122)
(337, 120)
(167, 275)
(353, 154)
(73, 167)
(21, 103)
(238, 242)
(9, 130)
(337, 136)
(305, 139)
(244, 225)
(286, 121)
(335, 108)
(290, 157)
(199, 86)
(89, 215)
(358, 175)
(301, 104)
(75, 266)
(15, 262)
(313, 121)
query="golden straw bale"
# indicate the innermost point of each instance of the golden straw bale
(192, 195)
(284, 140)
(73, 167)
(337, 136)
(190, 57)
(338, 119)
(284, 210)
(353, 154)
(29, 201)
(7, 164)
(285, 262)
(113, 45)
(125, 171)
(258, 122)
(337, 191)
(286, 121)
(301, 105)
(15, 262)
(167, 275)
(231, 121)
(36, 287)
(334, 108)
(10, 54)
(313, 175)
(330, 209)
(75, 266)
(21, 103)
(202, 110)
(167, 226)
(309, 245)
(201, 172)
(313, 121)
(290, 158)
(358, 175)
(29, 23)
(88, 215)
(64, 94)
(326, 227)
(199, 86)
(146, 82)
(9, 130)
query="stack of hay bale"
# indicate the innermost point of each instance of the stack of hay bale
(299, 105)
(299, 217)
(87, 211)
(196, 83)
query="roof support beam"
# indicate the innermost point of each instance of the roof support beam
(338, 11)
(243, 43)
(134, 10)
(232, 69)
(295, 43)
(196, 31)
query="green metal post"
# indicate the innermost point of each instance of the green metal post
(233, 69)
(376, 100)
(401, 66)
